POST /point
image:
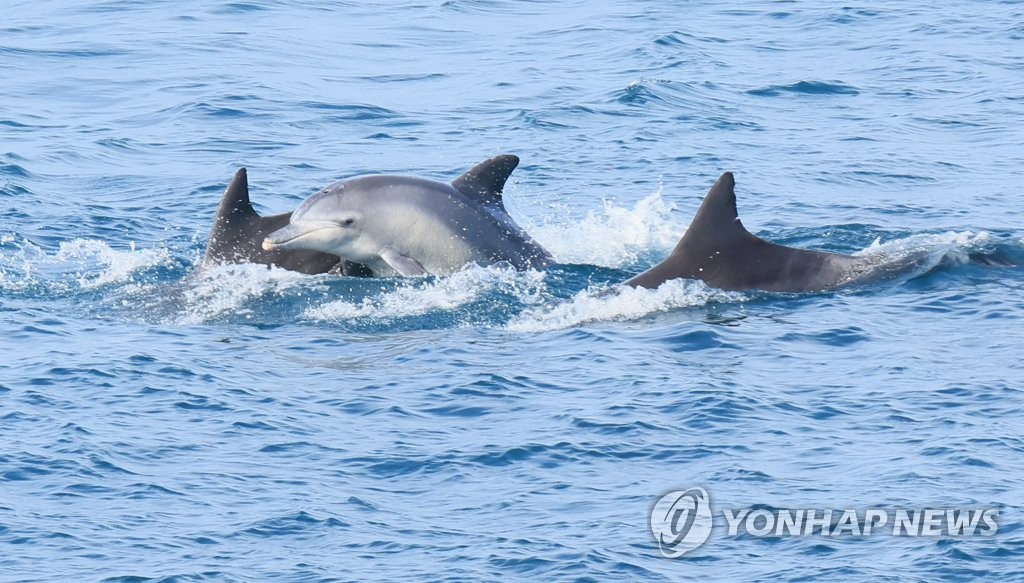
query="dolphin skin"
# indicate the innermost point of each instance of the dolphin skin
(238, 232)
(407, 226)
(719, 251)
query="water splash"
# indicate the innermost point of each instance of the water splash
(909, 257)
(954, 245)
(619, 303)
(80, 264)
(443, 294)
(615, 236)
(99, 264)
(136, 284)
(225, 290)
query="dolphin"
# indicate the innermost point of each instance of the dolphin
(238, 231)
(719, 251)
(407, 226)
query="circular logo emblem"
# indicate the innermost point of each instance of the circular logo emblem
(681, 521)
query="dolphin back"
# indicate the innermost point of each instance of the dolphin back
(719, 250)
(484, 185)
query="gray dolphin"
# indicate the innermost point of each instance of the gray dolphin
(238, 232)
(400, 225)
(718, 250)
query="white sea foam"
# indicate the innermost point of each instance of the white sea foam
(956, 244)
(618, 303)
(225, 289)
(18, 263)
(81, 263)
(99, 264)
(925, 251)
(416, 297)
(615, 236)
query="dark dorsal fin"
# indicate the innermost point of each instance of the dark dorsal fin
(717, 221)
(235, 201)
(714, 230)
(230, 224)
(718, 250)
(485, 181)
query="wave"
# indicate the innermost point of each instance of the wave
(596, 253)
(806, 88)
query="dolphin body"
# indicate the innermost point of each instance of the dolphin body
(400, 225)
(238, 232)
(719, 251)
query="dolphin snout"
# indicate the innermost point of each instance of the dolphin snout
(296, 236)
(281, 237)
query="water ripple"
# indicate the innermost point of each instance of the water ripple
(805, 88)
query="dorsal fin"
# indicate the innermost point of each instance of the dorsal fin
(718, 250)
(485, 181)
(235, 201)
(234, 212)
(716, 221)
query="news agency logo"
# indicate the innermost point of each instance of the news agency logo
(681, 522)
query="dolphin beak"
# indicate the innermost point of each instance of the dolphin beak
(290, 236)
(280, 238)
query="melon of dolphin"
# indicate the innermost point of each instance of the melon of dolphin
(719, 251)
(408, 226)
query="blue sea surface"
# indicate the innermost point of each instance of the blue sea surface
(159, 422)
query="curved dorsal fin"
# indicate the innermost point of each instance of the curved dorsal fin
(717, 220)
(714, 241)
(485, 181)
(236, 198)
(229, 226)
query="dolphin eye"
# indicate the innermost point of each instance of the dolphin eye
(347, 222)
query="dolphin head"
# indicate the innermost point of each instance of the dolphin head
(323, 222)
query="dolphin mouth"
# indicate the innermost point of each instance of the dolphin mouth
(289, 236)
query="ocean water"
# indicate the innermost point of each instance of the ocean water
(162, 423)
